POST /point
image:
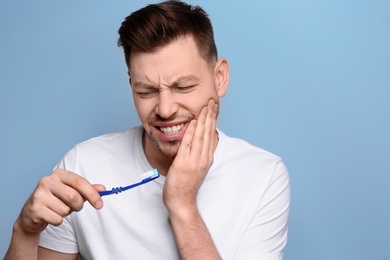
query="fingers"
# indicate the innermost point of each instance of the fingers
(211, 129)
(99, 187)
(200, 136)
(55, 197)
(76, 190)
(185, 146)
(205, 133)
(42, 208)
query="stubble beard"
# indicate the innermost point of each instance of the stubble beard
(170, 150)
(167, 149)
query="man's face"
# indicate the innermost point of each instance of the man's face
(170, 87)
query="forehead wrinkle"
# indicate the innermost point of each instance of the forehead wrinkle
(162, 86)
(183, 80)
(141, 84)
(187, 78)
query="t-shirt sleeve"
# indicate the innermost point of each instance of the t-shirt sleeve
(266, 236)
(60, 238)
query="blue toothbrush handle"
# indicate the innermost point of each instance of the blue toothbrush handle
(119, 189)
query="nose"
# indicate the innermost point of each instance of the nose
(167, 106)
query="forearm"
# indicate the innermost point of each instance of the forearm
(192, 236)
(23, 245)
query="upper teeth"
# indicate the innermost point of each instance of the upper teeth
(172, 129)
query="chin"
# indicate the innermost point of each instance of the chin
(170, 149)
(167, 149)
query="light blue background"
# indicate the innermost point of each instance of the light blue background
(310, 82)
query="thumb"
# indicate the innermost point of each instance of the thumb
(99, 187)
(98, 204)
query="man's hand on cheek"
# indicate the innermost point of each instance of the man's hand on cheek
(193, 160)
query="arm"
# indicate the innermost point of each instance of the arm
(24, 245)
(55, 197)
(48, 254)
(186, 175)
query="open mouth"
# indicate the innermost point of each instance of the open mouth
(171, 129)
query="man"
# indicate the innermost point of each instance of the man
(218, 197)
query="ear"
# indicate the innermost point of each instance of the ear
(222, 76)
(128, 73)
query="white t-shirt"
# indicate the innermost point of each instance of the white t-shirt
(244, 202)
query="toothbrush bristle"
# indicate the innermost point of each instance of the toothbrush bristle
(149, 174)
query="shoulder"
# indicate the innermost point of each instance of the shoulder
(112, 146)
(240, 149)
(111, 139)
(257, 170)
(243, 160)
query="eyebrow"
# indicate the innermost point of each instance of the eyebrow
(179, 81)
(185, 79)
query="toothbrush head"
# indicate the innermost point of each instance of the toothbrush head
(149, 176)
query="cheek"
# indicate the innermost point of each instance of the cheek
(201, 99)
(194, 105)
(144, 109)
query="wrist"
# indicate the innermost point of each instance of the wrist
(184, 215)
(21, 229)
(191, 234)
(181, 206)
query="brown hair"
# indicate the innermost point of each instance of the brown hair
(157, 25)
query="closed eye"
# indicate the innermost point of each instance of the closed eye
(146, 94)
(184, 89)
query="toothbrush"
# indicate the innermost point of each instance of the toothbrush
(145, 177)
